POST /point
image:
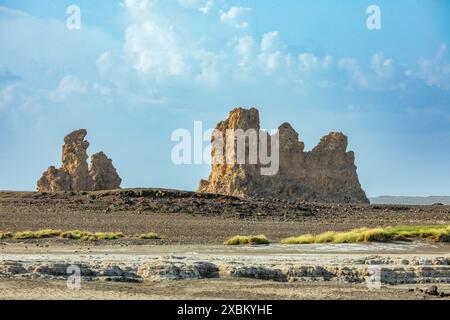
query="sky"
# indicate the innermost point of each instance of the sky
(136, 70)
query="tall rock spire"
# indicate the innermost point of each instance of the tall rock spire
(75, 174)
(326, 174)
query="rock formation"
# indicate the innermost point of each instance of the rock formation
(54, 180)
(326, 174)
(102, 173)
(75, 174)
(74, 159)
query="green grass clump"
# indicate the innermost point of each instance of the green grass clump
(242, 240)
(149, 236)
(4, 235)
(90, 236)
(108, 235)
(438, 233)
(74, 234)
(50, 233)
(45, 233)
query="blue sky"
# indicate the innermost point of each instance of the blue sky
(139, 69)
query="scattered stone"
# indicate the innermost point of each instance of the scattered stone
(431, 291)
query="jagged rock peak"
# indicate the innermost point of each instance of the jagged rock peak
(102, 173)
(75, 174)
(325, 174)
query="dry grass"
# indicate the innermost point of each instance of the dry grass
(5, 235)
(74, 235)
(438, 233)
(91, 236)
(242, 240)
(50, 233)
(149, 236)
(39, 234)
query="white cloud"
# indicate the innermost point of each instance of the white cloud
(207, 7)
(39, 49)
(139, 5)
(436, 71)
(269, 41)
(209, 68)
(161, 49)
(104, 63)
(7, 96)
(236, 17)
(13, 12)
(67, 87)
(18, 96)
(272, 61)
(384, 68)
(310, 62)
(154, 50)
(271, 56)
(381, 75)
(245, 48)
(355, 72)
(203, 6)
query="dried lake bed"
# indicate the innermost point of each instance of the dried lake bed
(339, 271)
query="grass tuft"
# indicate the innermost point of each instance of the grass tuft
(4, 235)
(45, 233)
(50, 233)
(149, 236)
(242, 240)
(437, 233)
(74, 234)
(108, 235)
(90, 236)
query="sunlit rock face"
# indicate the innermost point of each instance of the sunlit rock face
(102, 173)
(325, 174)
(75, 174)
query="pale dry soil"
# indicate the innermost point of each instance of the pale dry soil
(241, 289)
(216, 288)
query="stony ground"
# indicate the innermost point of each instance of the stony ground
(322, 271)
(241, 289)
(192, 218)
